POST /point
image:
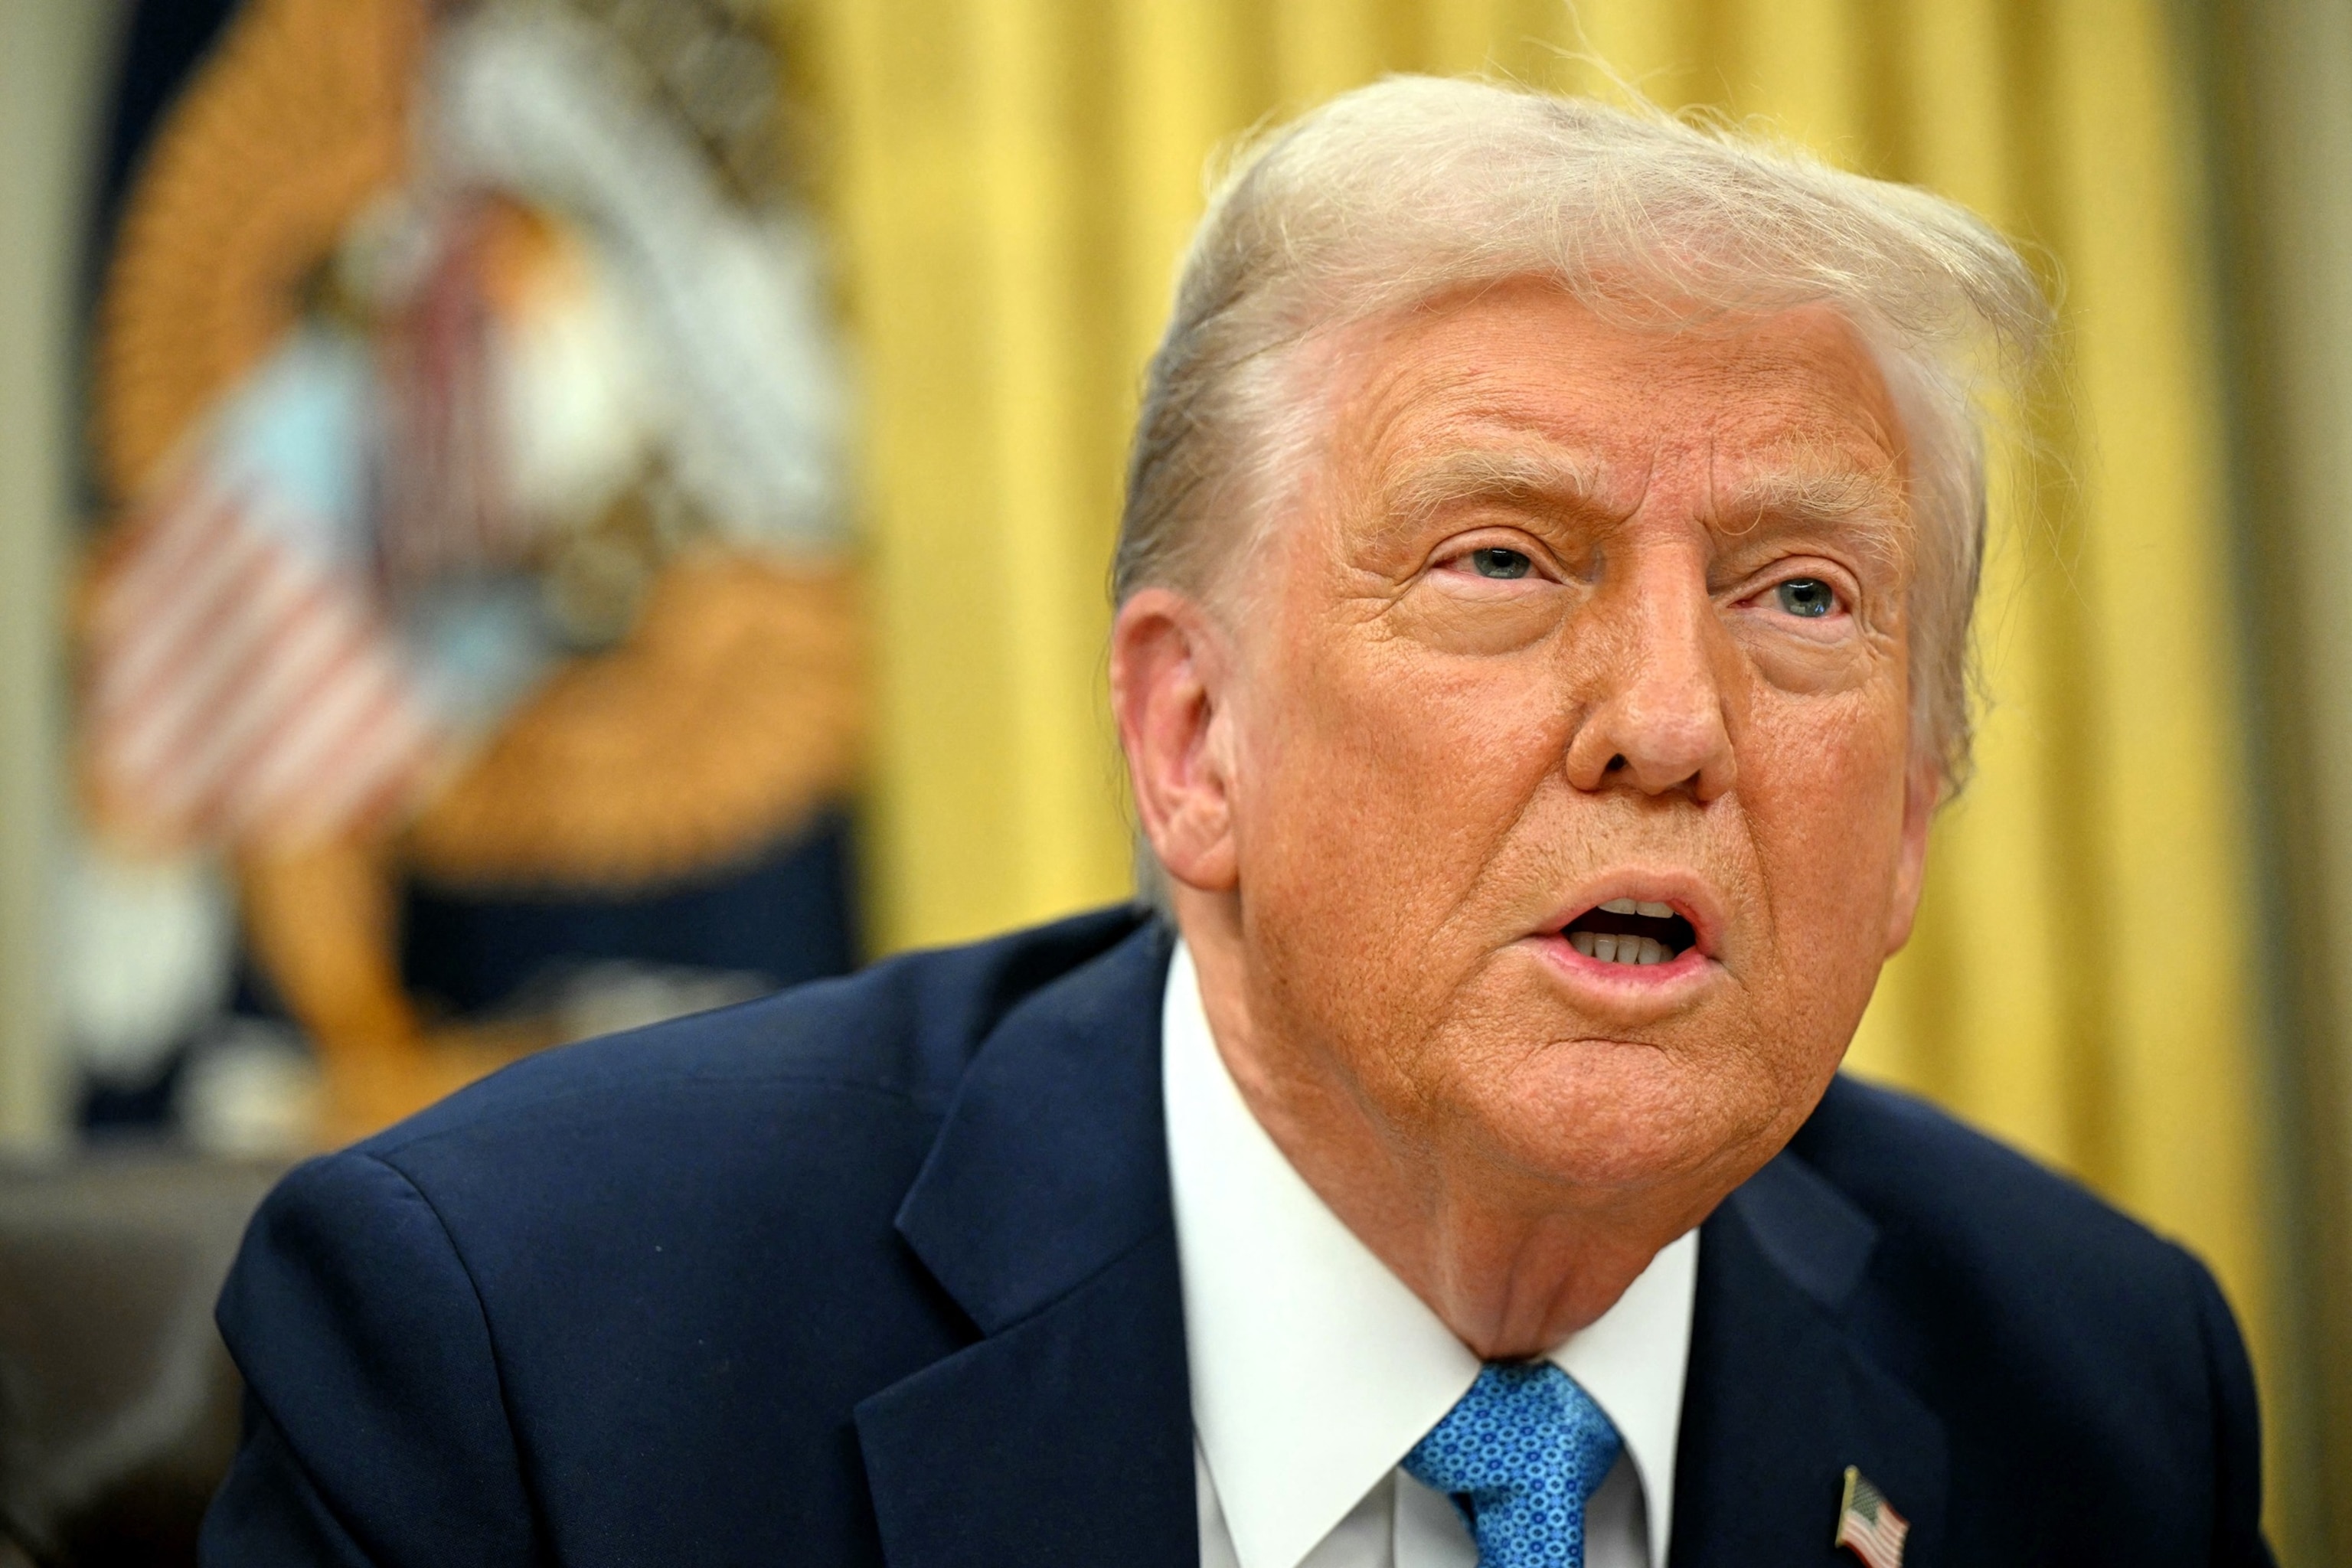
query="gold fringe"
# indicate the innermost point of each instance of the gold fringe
(299, 119)
(735, 709)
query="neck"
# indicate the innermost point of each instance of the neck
(1511, 1261)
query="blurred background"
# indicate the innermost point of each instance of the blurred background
(523, 518)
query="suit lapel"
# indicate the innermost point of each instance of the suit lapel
(1064, 1435)
(1781, 1398)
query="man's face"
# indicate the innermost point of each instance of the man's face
(1571, 614)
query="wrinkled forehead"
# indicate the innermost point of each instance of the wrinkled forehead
(1533, 361)
(1524, 391)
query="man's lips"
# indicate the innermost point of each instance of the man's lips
(1632, 897)
(1644, 928)
(1589, 969)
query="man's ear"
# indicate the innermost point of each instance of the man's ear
(1168, 665)
(1922, 790)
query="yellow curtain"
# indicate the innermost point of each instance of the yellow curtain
(1011, 181)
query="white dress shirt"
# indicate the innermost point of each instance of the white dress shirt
(1315, 1370)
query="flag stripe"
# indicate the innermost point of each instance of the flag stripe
(164, 543)
(235, 685)
(212, 668)
(148, 641)
(244, 738)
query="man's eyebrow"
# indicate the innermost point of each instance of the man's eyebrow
(1553, 480)
(1869, 504)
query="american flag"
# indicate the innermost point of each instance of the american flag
(1868, 1524)
(238, 689)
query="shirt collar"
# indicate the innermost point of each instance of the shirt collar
(1314, 1369)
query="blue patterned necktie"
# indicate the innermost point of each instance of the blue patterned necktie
(1520, 1455)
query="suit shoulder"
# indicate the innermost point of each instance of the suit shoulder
(772, 1141)
(1974, 1233)
(2050, 1334)
(1920, 1172)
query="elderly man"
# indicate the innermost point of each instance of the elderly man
(1542, 614)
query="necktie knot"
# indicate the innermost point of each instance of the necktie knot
(1520, 1455)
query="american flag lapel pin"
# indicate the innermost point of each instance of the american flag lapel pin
(1868, 1525)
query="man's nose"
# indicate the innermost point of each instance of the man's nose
(1655, 688)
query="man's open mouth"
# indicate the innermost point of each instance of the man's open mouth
(1626, 930)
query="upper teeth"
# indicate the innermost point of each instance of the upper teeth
(1642, 906)
(1613, 949)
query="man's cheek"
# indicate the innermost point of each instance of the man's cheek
(1443, 728)
(1828, 762)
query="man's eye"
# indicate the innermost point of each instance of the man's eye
(1807, 596)
(1496, 563)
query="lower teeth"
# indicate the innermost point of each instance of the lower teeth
(1610, 948)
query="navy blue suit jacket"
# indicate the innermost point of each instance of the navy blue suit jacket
(883, 1270)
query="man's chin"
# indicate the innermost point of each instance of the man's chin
(1603, 1113)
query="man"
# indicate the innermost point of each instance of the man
(1542, 612)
